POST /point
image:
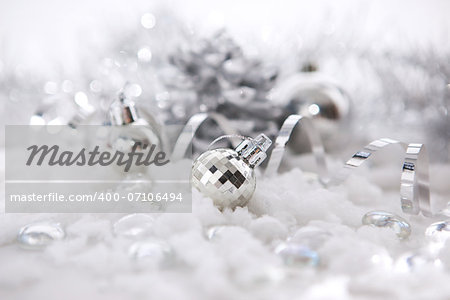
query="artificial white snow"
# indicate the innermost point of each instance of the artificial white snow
(238, 261)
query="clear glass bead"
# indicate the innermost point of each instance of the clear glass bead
(214, 231)
(312, 237)
(39, 235)
(297, 255)
(134, 226)
(413, 260)
(386, 219)
(152, 251)
(439, 231)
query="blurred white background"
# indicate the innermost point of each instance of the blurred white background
(37, 34)
(51, 40)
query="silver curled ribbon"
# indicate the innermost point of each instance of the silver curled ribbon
(285, 134)
(193, 124)
(414, 181)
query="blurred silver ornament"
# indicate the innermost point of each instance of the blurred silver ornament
(131, 130)
(385, 219)
(314, 95)
(227, 176)
(213, 75)
(123, 112)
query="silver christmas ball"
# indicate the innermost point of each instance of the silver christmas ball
(131, 131)
(124, 114)
(320, 98)
(227, 176)
(224, 177)
(315, 95)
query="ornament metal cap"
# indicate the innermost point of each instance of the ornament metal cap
(253, 151)
(123, 111)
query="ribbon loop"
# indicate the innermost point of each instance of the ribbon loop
(285, 134)
(193, 124)
(414, 181)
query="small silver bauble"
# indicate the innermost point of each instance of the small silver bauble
(227, 176)
(318, 97)
(315, 95)
(131, 130)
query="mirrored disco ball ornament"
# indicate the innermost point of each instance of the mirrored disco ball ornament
(227, 176)
(318, 97)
